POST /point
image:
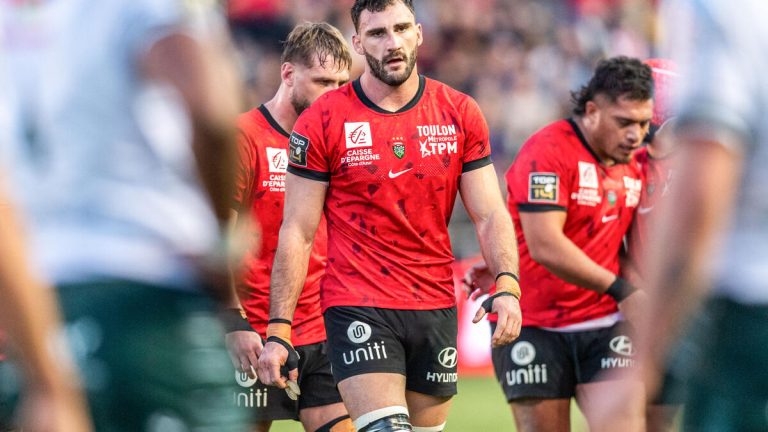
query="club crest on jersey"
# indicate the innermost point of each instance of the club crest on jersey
(543, 187)
(298, 146)
(277, 160)
(398, 149)
(357, 134)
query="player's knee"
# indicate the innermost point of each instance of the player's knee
(339, 424)
(389, 419)
(438, 428)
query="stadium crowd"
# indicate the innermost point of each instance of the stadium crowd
(518, 58)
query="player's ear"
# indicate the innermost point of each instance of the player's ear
(286, 73)
(357, 44)
(419, 34)
(591, 113)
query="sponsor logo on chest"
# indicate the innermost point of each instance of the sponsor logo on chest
(358, 143)
(277, 162)
(438, 140)
(589, 186)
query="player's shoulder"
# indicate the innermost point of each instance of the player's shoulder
(446, 94)
(557, 138)
(641, 156)
(334, 100)
(252, 122)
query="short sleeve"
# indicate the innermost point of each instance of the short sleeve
(477, 146)
(539, 179)
(308, 153)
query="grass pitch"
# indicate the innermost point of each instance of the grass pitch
(479, 407)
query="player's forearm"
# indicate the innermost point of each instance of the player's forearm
(498, 243)
(289, 272)
(691, 221)
(28, 309)
(568, 262)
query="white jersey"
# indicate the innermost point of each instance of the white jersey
(729, 46)
(99, 160)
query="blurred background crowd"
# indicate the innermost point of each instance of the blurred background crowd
(519, 59)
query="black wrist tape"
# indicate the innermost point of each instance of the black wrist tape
(488, 303)
(233, 321)
(512, 275)
(293, 357)
(279, 321)
(620, 289)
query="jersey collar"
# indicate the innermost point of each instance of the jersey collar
(272, 122)
(583, 140)
(358, 88)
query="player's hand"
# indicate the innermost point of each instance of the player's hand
(510, 318)
(244, 348)
(276, 366)
(633, 307)
(477, 280)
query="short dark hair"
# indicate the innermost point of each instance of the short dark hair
(316, 39)
(615, 77)
(375, 6)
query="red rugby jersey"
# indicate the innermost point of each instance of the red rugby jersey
(657, 175)
(556, 171)
(261, 190)
(393, 179)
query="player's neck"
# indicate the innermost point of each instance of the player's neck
(590, 142)
(282, 110)
(390, 98)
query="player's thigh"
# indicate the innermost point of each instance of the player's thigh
(431, 355)
(150, 358)
(334, 415)
(426, 410)
(320, 403)
(631, 418)
(601, 353)
(542, 415)
(538, 365)
(365, 393)
(361, 340)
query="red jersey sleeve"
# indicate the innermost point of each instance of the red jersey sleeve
(477, 145)
(247, 165)
(308, 151)
(540, 179)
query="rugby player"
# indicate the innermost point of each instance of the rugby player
(572, 196)
(713, 237)
(315, 59)
(384, 157)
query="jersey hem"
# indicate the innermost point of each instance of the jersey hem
(476, 164)
(395, 305)
(310, 174)
(535, 208)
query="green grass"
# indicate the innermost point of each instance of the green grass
(479, 407)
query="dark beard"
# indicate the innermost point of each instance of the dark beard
(299, 105)
(378, 70)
